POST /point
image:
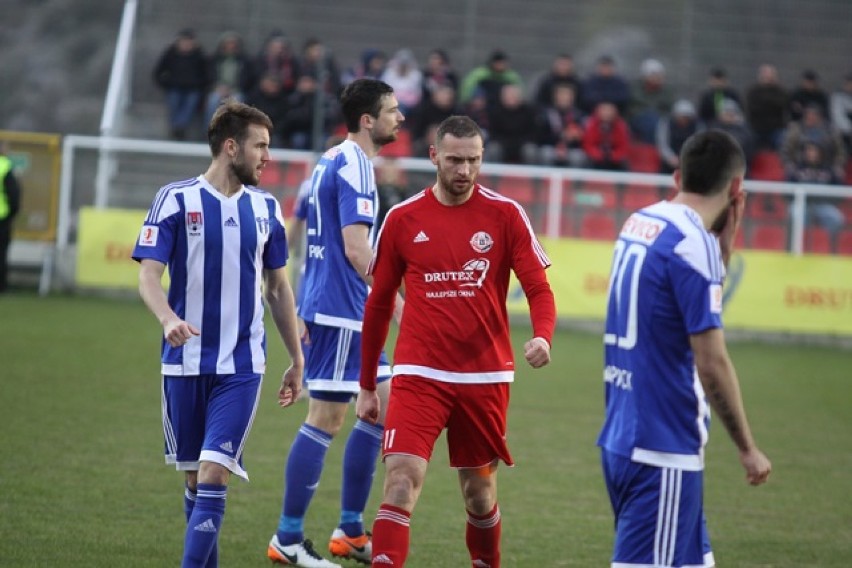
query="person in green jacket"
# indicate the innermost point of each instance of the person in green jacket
(10, 201)
(489, 79)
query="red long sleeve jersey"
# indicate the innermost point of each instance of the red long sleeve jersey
(454, 262)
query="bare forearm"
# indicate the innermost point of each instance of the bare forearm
(722, 389)
(152, 293)
(281, 304)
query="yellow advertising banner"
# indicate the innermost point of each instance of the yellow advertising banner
(765, 291)
(105, 241)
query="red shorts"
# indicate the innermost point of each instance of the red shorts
(473, 414)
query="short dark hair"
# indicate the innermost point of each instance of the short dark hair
(459, 126)
(232, 120)
(709, 161)
(360, 97)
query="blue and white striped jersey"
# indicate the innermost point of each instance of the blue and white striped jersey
(343, 192)
(665, 285)
(215, 248)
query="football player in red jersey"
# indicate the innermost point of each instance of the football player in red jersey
(453, 245)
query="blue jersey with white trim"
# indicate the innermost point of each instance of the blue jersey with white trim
(343, 192)
(665, 285)
(215, 248)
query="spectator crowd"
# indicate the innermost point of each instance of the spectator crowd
(563, 119)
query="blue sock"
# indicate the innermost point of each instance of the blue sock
(359, 467)
(301, 478)
(202, 531)
(189, 498)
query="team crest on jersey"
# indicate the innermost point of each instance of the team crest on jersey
(262, 224)
(481, 242)
(194, 222)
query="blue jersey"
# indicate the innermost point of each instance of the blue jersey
(665, 285)
(343, 192)
(300, 208)
(216, 248)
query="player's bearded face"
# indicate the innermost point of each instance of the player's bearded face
(388, 122)
(246, 173)
(458, 162)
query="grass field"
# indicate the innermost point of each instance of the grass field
(82, 481)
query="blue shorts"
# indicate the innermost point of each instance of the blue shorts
(333, 362)
(208, 418)
(659, 515)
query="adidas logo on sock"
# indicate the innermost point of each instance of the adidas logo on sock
(206, 526)
(227, 446)
(230, 222)
(421, 237)
(382, 559)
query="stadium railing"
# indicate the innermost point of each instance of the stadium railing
(561, 202)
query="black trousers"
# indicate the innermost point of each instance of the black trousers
(5, 240)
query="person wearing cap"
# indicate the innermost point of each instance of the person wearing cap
(808, 93)
(731, 120)
(605, 85)
(181, 72)
(766, 108)
(718, 89)
(488, 79)
(651, 98)
(673, 131)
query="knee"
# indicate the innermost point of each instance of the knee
(479, 502)
(402, 489)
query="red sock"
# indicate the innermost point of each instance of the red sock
(390, 537)
(483, 538)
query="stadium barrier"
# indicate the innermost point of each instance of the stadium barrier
(36, 159)
(576, 212)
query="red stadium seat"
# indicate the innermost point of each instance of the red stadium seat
(270, 176)
(592, 194)
(566, 225)
(769, 237)
(846, 208)
(766, 165)
(767, 206)
(401, 148)
(844, 242)
(639, 196)
(296, 173)
(597, 225)
(519, 188)
(817, 240)
(643, 158)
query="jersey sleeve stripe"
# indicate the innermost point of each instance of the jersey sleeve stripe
(537, 248)
(163, 194)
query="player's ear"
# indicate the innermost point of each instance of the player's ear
(433, 154)
(231, 147)
(677, 178)
(367, 121)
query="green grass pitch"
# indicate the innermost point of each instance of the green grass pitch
(82, 481)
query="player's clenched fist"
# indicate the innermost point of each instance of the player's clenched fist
(537, 352)
(178, 332)
(367, 406)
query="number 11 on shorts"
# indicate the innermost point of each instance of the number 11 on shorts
(389, 436)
